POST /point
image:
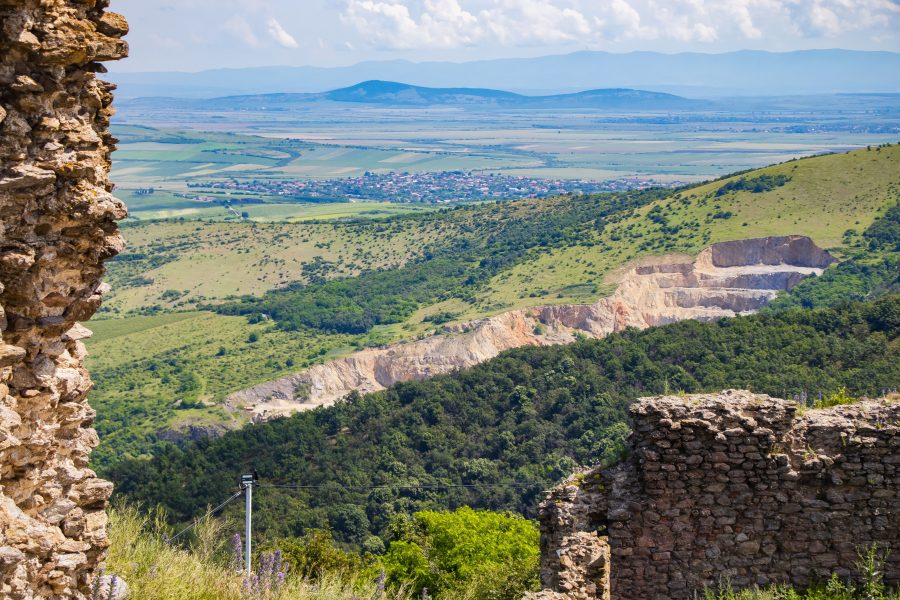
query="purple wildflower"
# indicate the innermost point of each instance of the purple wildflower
(237, 554)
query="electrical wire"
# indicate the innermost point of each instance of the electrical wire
(208, 513)
(515, 484)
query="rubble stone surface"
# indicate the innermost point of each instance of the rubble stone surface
(734, 486)
(57, 226)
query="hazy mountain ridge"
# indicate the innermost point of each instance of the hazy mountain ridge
(744, 73)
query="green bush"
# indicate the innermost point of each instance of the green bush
(754, 185)
(316, 556)
(465, 554)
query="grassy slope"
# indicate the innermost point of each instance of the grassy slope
(170, 207)
(144, 366)
(826, 196)
(212, 260)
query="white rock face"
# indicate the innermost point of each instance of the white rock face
(725, 280)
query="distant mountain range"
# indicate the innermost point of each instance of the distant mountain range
(745, 73)
(389, 93)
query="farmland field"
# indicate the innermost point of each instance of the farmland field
(174, 149)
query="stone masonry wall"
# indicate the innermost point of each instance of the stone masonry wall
(57, 226)
(733, 485)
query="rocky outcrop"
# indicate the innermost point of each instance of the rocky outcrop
(725, 280)
(732, 485)
(57, 226)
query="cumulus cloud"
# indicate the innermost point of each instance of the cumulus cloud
(525, 22)
(440, 23)
(822, 18)
(278, 33)
(407, 24)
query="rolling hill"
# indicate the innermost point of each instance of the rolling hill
(389, 93)
(454, 266)
(531, 416)
(399, 94)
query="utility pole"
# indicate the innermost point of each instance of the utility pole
(247, 482)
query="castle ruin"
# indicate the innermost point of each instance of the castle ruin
(733, 487)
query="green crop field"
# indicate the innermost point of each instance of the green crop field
(568, 143)
(178, 208)
(169, 160)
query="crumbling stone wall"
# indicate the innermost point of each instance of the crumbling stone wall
(57, 226)
(733, 485)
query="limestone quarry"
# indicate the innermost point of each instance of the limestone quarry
(724, 280)
(58, 225)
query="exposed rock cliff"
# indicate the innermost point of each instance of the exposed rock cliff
(726, 279)
(57, 226)
(732, 485)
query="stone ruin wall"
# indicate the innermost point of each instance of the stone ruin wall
(733, 485)
(58, 225)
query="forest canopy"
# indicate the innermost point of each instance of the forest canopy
(529, 416)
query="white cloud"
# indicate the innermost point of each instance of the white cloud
(822, 18)
(620, 20)
(441, 24)
(527, 22)
(740, 11)
(428, 24)
(240, 28)
(278, 33)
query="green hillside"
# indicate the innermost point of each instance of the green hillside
(822, 198)
(331, 287)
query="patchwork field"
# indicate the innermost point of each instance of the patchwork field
(173, 151)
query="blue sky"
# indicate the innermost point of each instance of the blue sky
(191, 35)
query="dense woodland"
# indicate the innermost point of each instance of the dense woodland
(526, 419)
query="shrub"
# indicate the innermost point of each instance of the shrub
(465, 554)
(157, 570)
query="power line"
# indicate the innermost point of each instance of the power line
(514, 484)
(208, 513)
(445, 486)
